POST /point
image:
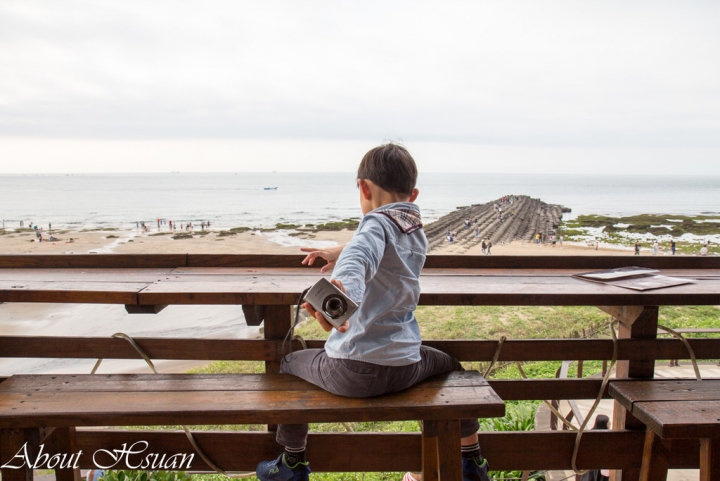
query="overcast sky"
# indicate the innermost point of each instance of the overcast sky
(506, 86)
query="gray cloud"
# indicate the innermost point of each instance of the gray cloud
(514, 73)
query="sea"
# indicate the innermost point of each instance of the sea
(226, 200)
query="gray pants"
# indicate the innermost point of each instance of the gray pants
(362, 379)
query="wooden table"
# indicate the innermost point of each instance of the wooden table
(674, 410)
(150, 289)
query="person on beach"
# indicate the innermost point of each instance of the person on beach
(489, 246)
(601, 423)
(672, 246)
(477, 232)
(560, 240)
(484, 246)
(704, 250)
(378, 349)
(655, 248)
(95, 474)
(637, 248)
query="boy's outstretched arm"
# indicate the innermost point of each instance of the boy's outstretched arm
(330, 254)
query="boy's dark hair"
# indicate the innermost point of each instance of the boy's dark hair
(390, 167)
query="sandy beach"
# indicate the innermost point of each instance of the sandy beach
(132, 242)
(261, 242)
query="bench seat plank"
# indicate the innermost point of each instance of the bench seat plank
(629, 392)
(33, 383)
(184, 400)
(680, 419)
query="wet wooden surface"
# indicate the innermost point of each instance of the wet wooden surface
(673, 408)
(122, 400)
(283, 285)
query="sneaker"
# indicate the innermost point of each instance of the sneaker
(475, 470)
(279, 470)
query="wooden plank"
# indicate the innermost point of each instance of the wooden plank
(71, 292)
(547, 389)
(264, 350)
(397, 451)
(187, 273)
(240, 407)
(680, 419)
(245, 260)
(563, 349)
(156, 348)
(83, 261)
(628, 392)
(571, 262)
(433, 261)
(85, 275)
(435, 290)
(507, 389)
(449, 450)
(106, 383)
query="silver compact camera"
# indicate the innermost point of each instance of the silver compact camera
(331, 302)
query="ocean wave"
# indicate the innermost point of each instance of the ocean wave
(289, 241)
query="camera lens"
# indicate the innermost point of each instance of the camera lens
(334, 306)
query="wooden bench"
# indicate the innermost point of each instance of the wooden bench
(671, 410)
(69, 401)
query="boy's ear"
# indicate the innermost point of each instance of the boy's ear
(365, 189)
(414, 195)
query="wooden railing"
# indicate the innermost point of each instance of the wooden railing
(620, 448)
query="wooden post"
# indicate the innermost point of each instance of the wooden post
(430, 468)
(656, 455)
(449, 458)
(275, 327)
(709, 459)
(64, 442)
(635, 323)
(12, 442)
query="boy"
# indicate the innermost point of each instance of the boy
(377, 350)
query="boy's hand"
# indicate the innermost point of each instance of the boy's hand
(327, 327)
(330, 254)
